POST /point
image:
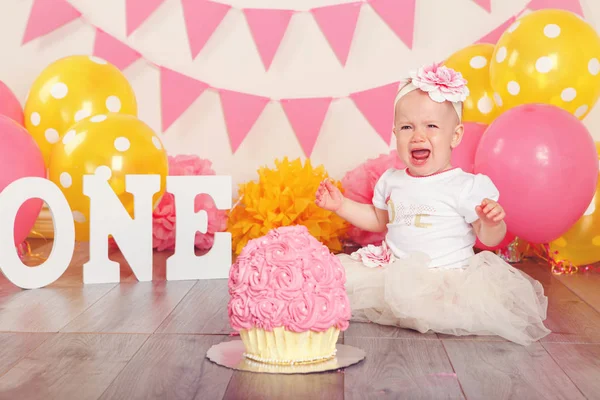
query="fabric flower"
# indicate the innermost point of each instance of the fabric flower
(284, 196)
(441, 83)
(374, 256)
(359, 185)
(164, 216)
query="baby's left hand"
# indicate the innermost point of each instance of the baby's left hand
(490, 212)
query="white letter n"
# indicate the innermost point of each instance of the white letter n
(109, 217)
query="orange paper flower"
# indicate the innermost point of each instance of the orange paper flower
(284, 196)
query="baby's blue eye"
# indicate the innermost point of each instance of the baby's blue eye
(432, 126)
(404, 127)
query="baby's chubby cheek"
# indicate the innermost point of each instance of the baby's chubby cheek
(402, 150)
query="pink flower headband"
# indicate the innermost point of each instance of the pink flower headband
(440, 83)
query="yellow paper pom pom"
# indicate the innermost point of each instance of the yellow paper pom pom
(284, 196)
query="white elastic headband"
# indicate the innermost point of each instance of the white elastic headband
(409, 87)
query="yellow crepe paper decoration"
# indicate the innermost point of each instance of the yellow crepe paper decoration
(284, 196)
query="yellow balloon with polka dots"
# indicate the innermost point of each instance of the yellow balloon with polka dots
(473, 62)
(581, 244)
(71, 89)
(113, 146)
(551, 57)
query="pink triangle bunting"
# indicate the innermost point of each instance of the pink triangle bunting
(138, 11)
(113, 50)
(399, 15)
(493, 36)
(373, 103)
(241, 111)
(485, 4)
(267, 27)
(570, 5)
(338, 23)
(202, 17)
(306, 117)
(178, 92)
(47, 16)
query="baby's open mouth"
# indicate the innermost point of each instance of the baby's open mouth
(420, 155)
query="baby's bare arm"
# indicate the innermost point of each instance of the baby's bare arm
(490, 228)
(364, 216)
(490, 235)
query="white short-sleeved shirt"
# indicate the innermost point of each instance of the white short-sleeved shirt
(433, 214)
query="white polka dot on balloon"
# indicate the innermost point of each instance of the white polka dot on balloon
(552, 31)
(498, 100)
(113, 104)
(485, 105)
(122, 144)
(35, 118)
(157, 143)
(51, 135)
(65, 180)
(513, 88)
(501, 54)
(82, 114)
(59, 90)
(79, 217)
(98, 118)
(568, 94)
(581, 111)
(478, 62)
(594, 66)
(514, 26)
(103, 172)
(98, 60)
(543, 65)
(70, 135)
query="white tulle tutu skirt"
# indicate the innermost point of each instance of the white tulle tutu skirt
(488, 297)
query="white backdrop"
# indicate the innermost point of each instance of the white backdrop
(305, 66)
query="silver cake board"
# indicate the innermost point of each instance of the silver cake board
(231, 355)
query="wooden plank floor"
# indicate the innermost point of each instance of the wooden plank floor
(148, 341)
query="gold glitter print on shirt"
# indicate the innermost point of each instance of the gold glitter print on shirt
(410, 214)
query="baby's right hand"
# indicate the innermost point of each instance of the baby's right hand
(329, 196)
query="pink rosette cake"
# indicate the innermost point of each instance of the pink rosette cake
(287, 298)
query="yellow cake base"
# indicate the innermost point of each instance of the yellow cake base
(285, 348)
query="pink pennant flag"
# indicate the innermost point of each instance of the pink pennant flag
(306, 117)
(485, 4)
(493, 36)
(202, 17)
(241, 111)
(138, 11)
(178, 92)
(399, 15)
(377, 107)
(47, 16)
(338, 23)
(113, 50)
(267, 27)
(570, 5)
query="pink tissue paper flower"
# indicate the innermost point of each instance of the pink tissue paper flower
(359, 185)
(374, 256)
(163, 223)
(441, 83)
